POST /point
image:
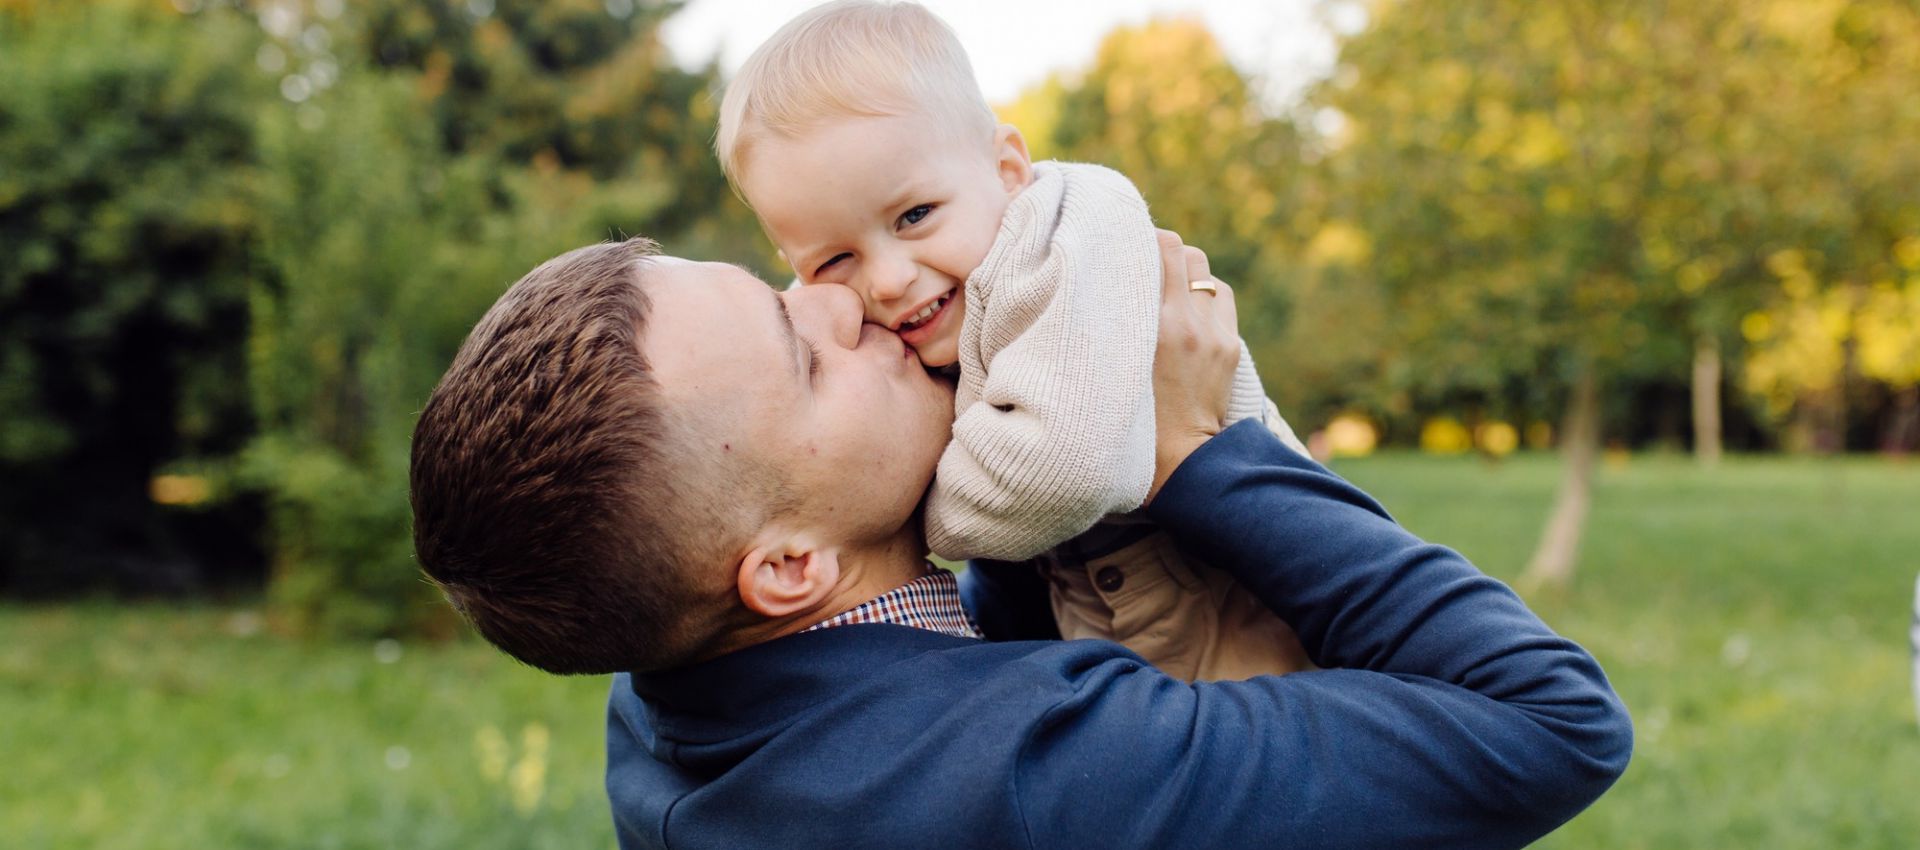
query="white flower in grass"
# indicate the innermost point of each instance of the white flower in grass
(1737, 650)
(387, 650)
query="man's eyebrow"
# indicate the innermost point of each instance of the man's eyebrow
(786, 331)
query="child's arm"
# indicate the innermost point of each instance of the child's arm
(1055, 424)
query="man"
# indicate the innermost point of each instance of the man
(643, 464)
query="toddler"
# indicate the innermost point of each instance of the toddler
(859, 137)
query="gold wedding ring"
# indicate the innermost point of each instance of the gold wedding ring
(1204, 285)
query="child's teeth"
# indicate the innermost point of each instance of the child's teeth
(921, 316)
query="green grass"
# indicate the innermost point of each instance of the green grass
(153, 728)
(1754, 618)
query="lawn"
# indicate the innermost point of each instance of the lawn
(1754, 618)
(152, 728)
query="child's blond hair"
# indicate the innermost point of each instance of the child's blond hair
(850, 58)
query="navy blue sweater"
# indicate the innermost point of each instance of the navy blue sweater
(1458, 718)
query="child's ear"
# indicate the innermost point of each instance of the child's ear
(781, 577)
(1011, 159)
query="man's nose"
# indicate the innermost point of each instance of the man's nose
(826, 313)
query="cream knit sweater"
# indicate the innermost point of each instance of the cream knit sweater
(1054, 409)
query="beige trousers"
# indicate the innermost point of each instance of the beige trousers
(1186, 618)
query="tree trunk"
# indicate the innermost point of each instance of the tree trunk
(1553, 562)
(1706, 400)
(1903, 428)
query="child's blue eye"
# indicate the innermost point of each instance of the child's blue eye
(913, 216)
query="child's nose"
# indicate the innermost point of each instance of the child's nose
(890, 278)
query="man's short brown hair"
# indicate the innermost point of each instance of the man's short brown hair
(561, 507)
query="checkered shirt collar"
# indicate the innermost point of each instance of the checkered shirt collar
(930, 602)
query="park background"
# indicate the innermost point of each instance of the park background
(1620, 299)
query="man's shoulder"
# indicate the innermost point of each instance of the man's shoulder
(876, 659)
(873, 677)
(930, 729)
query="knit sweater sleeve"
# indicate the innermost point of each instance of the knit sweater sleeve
(1054, 410)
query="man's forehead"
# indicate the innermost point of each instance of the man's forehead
(683, 270)
(711, 324)
(693, 287)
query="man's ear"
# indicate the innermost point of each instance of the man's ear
(1011, 159)
(782, 577)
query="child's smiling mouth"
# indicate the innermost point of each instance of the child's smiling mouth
(925, 313)
(926, 323)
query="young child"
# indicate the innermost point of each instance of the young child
(858, 135)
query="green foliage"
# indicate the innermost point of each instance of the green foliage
(379, 252)
(385, 237)
(125, 216)
(581, 87)
(241, 242)
(1210, 162)
(1551, 190)
(247, 239)
(342, 545)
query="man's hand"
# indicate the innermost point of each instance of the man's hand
(1194, 363)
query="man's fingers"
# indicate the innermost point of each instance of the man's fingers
(1180, 266)
(1173, 264)
(1226, 310)
(1196, 261)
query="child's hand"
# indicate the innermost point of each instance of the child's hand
(1194, 363)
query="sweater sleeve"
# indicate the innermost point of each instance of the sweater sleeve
(1054, 428)
(1461, 720)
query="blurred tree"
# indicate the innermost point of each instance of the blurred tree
(1563, 195)
(1211, 163)
(384, 238)
(1844, 305)
(377, 252)
(580, 86)
(230, 234)
(125, 220)
(1813, 339)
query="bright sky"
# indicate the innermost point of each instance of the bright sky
(1016, 43)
